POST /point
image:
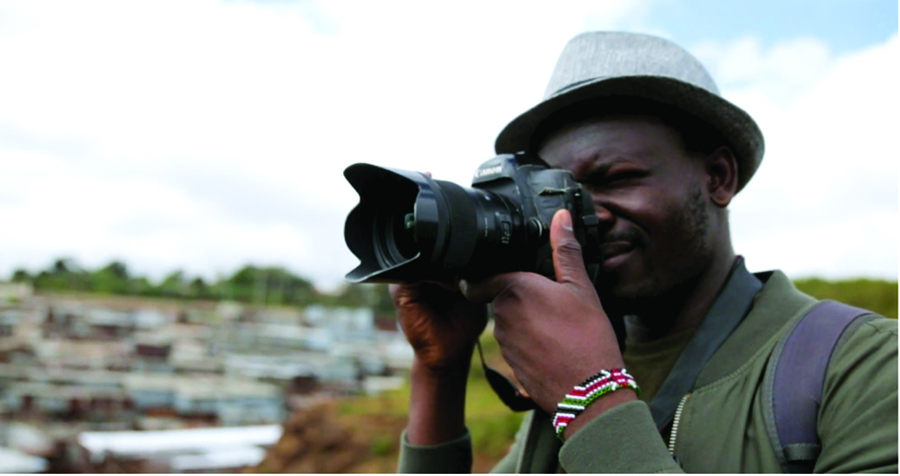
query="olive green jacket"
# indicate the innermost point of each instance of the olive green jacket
(722, 428)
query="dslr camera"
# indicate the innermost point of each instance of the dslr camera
(408, 227)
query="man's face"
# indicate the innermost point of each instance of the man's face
(650, 198)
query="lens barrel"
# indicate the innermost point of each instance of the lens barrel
(409, 227)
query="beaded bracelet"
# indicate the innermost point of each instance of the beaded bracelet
(606, 381)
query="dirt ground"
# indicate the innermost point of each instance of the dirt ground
(319, 440)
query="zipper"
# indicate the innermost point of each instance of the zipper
(675, 421)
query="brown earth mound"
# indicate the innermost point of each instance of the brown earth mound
(314, 441)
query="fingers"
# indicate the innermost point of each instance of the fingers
(485, 291)
(397, 291)
(567, 258)
(403, 294)
(448, 285)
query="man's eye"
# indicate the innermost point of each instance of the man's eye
(622, 176)
(605, 180)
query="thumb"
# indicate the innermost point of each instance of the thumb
(567, 259)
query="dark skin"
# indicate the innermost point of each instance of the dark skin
(666, 253)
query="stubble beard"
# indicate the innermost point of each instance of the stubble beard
(665, 290)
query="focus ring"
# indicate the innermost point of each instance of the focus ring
(463, 230)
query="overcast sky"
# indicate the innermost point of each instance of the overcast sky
(205, 135)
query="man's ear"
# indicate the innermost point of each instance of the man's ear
(721, 176)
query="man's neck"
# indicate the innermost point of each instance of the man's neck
(684, 307)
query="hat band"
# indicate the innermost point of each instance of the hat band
(576, 84)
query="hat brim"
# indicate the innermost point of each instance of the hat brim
(735, 125)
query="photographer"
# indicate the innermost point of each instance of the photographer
(640, 124)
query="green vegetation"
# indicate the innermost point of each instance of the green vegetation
(271, 285)
(383, 445)
(493, 426)
(875, 295)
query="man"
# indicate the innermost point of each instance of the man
(640, 124)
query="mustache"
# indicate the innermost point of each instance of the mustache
(629, 236)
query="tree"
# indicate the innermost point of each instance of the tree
(63, 274)
(21, 276)
(117, 269)
(174, 285)
(199, 289)
(111, 279)
(62, 266)
(269, 285)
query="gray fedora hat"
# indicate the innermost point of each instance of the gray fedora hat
(613, 64)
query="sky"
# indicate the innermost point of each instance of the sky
(206, 135)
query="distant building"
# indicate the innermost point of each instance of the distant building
(15, 292)
(109, 324)
(229, 311)
(226, 400)
(288, 316)
(151, 354)
(151, 319)
(286, 367)
(293, 337)
(80, 354)
(68, 401)
(344, 323)
(9, 319)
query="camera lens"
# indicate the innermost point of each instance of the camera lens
(408, 227)
(394, 242)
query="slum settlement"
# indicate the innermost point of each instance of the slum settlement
(129, 385)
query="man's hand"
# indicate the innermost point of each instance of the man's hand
(553, 334)
(442, 327)
(440, 324)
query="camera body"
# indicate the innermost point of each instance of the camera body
(409, 227)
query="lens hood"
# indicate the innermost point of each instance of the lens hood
(397, 210)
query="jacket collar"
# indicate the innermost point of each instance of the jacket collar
(776, 305)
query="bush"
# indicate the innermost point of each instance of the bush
(875, 295)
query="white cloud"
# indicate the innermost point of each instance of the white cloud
(825, 201)
(782, 72)
(204, 135)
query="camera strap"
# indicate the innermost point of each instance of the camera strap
(734, 301)
(504, 388)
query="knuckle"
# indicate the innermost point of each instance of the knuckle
(399, 294)
(569, 247)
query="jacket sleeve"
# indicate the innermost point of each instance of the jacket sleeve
(858, 416)
(510, 462)
(455, 456)
(622, 440)
(450, 457)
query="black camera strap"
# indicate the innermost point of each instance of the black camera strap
(504, 388)
(727, 312)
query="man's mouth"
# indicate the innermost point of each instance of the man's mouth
(615, 253)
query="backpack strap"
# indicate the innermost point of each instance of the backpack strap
(794, 379)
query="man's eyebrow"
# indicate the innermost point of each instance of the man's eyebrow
(589, 171)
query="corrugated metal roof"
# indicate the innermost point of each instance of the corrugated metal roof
(202, 440)
(225, 458)
(12, 461)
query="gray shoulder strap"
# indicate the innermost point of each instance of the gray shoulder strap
(793, 382)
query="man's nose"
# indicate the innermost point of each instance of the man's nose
(604, 215)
